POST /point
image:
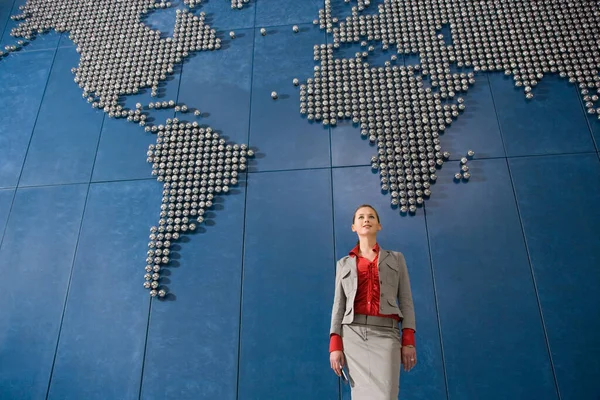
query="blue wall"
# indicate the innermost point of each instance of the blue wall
(504, 268)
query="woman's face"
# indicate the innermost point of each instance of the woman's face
(365, 222)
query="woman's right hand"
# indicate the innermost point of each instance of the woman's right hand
(336, 359)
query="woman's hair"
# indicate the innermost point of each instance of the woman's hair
(358, 208)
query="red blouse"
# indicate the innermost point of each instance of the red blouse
(367, 297)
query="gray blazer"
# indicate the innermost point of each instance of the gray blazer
(396, 297)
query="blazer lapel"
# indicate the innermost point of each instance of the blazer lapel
(350, 264)
(382, 256)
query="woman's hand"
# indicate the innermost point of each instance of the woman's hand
(409, 357)
(336, 359)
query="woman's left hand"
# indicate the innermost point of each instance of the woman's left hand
(409, 357)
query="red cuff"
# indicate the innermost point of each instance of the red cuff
(335, 343)
(408, 337)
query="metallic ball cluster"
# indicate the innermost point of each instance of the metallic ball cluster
(195, 165)
(403, 109)
(394, 109)
(119, 53)
(9, 48)
(464, 173)
(192, 3)
(525, 39)
(238, 4)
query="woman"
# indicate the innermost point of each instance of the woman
(372, 295)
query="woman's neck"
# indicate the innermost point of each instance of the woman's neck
(366, 244)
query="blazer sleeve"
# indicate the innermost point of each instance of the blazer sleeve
(405, 296)
(339, 302)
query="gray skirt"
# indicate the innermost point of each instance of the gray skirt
(373, 357)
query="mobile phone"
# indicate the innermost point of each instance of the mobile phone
(344, 375)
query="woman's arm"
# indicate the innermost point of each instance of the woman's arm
(405, 296)
(339, 302)
(336, 355)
